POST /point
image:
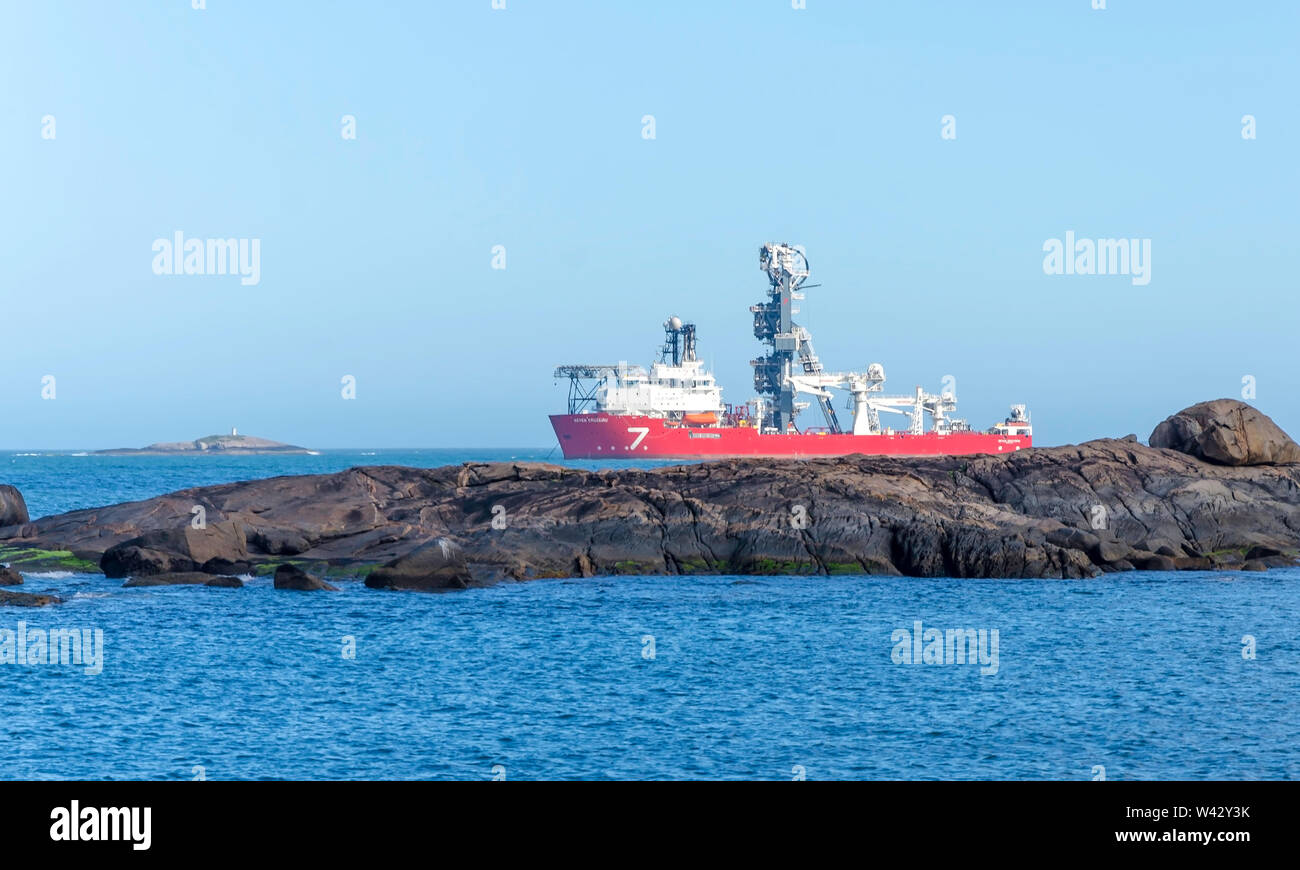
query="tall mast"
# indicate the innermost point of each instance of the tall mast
(679, 342)
(787, 268)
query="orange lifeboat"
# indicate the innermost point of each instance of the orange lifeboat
(708, 418)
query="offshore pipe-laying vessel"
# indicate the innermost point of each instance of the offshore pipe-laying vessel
(675, 410)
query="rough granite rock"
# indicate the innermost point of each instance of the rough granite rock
(293, 577)
(26, 599)
(224, 582)
(13, 509)
(219, 565)
(1227, 432)
(435, 565)
(9, 576)
(1047, 512)
(220, 547)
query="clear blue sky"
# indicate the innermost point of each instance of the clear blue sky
(522, 128)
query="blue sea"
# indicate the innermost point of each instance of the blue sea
(1132, 676)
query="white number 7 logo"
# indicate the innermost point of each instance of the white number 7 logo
(641, 431)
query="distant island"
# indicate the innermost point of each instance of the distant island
(232, 444)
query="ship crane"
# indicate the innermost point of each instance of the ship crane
(813, 366)
(921, 403)
(917, 406)
(867, 403)
(777, 375)
(786, 267)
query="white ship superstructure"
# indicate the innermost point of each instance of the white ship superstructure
(676, 385)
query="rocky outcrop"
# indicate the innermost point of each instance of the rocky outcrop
(26, 599)
(1104, 506)
(218, 548)
(10, 577)
(1226, 432)
(293, 577)
(184, 578)
(224, 582)
(438, 564)
(13, 509)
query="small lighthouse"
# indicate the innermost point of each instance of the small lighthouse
(233, 431)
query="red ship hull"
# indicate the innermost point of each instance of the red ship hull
(614, 436)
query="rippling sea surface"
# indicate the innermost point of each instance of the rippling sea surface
(1141, 674)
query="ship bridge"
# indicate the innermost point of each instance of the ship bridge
(675, 386)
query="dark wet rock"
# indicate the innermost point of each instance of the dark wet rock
(13, 509)
(1073, 539)
(1109, 549)
(435, 565)
(1255, 565)
(10, 576)
(1163, 546)
(225, 582)
(128, 560)
(293, 577)
(26, 599)
(1226, 432)
(180, 549)
(277, 542)
(183, 578)
(1028, 514)
(1154, 562)
(219, 565)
